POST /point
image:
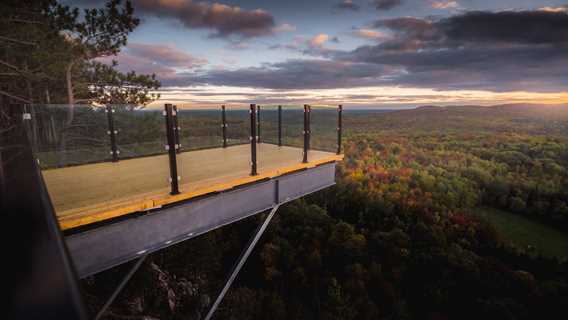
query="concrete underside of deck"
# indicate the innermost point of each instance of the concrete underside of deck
(94, 192)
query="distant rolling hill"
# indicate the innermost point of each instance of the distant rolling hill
(528, 118)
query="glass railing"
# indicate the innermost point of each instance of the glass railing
(199, 128)
(96, 158)
(139, 132)
(63, 135)
(237, 125)
(323, 128)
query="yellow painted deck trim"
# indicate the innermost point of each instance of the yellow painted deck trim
(104, 213)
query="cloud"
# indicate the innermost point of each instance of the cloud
(300, 74)
(171, 65)
(164, 55)
(563, 8)
(285, 27)
(443, 5)
(318, 40)
(477, 50)
(386, 4)
(314, 46)
(530, 27)
(348, 5)
(493, 51)
(370, 34)
(226, 20)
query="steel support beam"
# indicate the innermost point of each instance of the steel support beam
(242, 259)
(109, 245)
(121, 285)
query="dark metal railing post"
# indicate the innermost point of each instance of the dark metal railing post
(224, 125)
(339, 127)
(253, 127)
(258, 124)
(306, 132)
(279, 126)
(177, 129)
(112, 132)
(171, 147)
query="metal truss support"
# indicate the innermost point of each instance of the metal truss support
(120, 286)
(242, 259)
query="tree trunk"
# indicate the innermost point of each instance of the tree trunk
(47, 96)
(70, 109)
(33, 128)
(70, 94)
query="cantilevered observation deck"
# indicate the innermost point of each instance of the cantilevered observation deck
(125, 181)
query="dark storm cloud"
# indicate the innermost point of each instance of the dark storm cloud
(481, 28)
(224, 19)
(386, 4)
(300, 74)
(524, 50)
(507, 26)
(347, 5)
(507, 51)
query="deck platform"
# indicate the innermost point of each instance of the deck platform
(91, 193)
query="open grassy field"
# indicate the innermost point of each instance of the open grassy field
(525, 232)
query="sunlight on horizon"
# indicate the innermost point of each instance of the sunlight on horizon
(365, 97)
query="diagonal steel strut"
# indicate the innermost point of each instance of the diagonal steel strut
(120, 286)
(242, 259)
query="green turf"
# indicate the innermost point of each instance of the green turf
(524, 232)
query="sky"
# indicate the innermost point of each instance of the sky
(366, 53)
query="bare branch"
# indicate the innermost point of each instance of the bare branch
(4, 93)
(25, 21)
(11, 66)
(27, 43)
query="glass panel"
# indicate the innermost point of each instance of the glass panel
(293, 126)
(270, 156)
(141, 131)
(323, 128)
(200, 128)
(203, 162)
(267, 118)
(238, 125)
(62, 135)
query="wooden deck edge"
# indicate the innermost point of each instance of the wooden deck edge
(76, 220)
